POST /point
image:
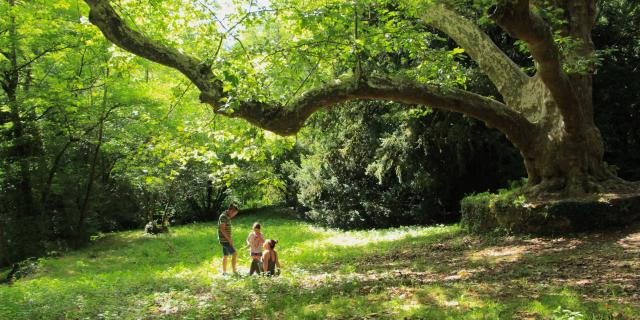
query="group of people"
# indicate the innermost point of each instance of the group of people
(261, 261)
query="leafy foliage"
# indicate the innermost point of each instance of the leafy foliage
(376, 165)
(617, 85)
(94, 139)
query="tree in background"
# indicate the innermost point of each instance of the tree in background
(95, 139)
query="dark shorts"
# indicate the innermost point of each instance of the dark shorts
(227, 249)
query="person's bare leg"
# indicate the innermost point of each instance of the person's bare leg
(234, 260)
(224, 264)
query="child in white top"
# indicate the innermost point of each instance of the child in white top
(255, 241)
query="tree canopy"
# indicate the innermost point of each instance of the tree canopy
(547, 115)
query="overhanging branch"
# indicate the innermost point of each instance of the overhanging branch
(288, 120)
(115, 29)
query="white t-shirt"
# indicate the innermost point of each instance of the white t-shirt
(255, 242)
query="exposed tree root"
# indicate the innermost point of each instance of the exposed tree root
(584, 188)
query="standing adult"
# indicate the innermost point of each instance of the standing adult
(224, 236)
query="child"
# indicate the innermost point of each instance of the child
(255, 241)
(270, 258)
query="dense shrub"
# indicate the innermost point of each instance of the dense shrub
(374, 164)
(616, 86)
(479, 211)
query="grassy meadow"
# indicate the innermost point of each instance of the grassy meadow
(410, 272)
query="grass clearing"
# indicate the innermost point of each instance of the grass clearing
(413, 272)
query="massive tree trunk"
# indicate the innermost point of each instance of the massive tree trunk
(565, 153)
(561, 161)
(548, 116)
(568, 153)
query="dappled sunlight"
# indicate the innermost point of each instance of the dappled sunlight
(334, 249)
(402, 301)
(499, 254)
(631, 242)
(512, 253)
(371, 237)
(180, 271)
(368, 238)
(169, 303)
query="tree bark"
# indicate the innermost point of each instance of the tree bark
(86, 202)
(4, 250)
(568, 155)
(503, 72)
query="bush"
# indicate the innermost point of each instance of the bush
(22, 269)
(373, 164)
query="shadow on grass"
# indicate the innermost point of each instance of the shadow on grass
(592, 275)
(344, 297)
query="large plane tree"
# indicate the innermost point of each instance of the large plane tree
(545, 111)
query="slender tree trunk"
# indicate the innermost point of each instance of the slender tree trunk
(21, 153)
(52, 172)
(86, 203)
(4, 252)
(568, 164)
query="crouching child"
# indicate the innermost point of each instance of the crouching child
(270, 258)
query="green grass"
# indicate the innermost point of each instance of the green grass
(413, 272)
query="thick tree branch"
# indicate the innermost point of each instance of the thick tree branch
(517, 19)
(115, 29)
(581, 17)
(288, 120)
(503, 72)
